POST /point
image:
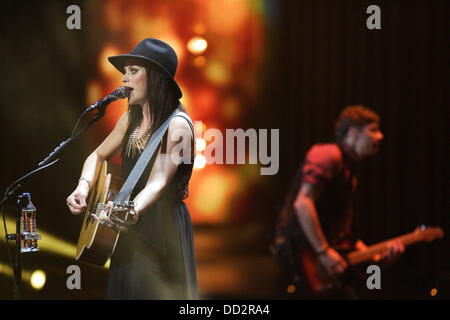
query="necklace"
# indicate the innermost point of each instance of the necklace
(136, 145)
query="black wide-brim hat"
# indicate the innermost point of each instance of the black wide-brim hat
(154, 53)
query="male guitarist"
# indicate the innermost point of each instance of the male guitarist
(322, 200)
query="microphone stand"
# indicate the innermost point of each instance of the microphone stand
(19, 200)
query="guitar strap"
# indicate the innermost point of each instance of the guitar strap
(144, 158)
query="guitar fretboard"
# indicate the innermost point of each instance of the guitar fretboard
(357, 257)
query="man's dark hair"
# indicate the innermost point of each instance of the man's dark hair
(354, 116)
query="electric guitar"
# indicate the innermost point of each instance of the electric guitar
(97, 242)
(320, 283)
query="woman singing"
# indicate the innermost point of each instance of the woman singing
(155, 258)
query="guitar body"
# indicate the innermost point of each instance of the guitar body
(317, 279)
(97, 242)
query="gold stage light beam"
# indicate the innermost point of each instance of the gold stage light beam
(6, 270)
(48, 242)
(36, 278)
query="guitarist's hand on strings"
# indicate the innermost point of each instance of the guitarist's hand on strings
(332, 261)
(103, 217)
(393, 251)
(77, 200)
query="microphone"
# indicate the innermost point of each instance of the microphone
(119, 93)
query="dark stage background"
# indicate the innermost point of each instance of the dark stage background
(319, 57)
(324, 58)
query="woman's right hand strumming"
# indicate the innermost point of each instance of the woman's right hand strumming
(77, 200)
(333, 262)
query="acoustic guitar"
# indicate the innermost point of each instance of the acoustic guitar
(321, 284)
(97, 242)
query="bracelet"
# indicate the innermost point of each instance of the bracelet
(87, 181)
(323, 250)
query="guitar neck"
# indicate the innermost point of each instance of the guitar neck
(357, 257)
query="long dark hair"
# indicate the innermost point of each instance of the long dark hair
(162, 102)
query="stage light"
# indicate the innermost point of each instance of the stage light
(6, 270)
(93, 92)
(105, 66)
(199, 162)
(291, 288)
(199, 127)
(206, 102)
(200, 144)
(212, 202)
(221, 24)
(200, 61)
(197, 45)
(199, 28)
(217, 73)
(433, 292)
(231, 109)
(38, 279)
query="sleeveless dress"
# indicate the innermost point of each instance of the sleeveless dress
(155, 258)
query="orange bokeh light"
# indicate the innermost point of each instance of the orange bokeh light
(200, 144)
(200, 61)
(106, 68)
(211, 193)
(205, 102)
(197, 45)
(216, 75)
(200, 162)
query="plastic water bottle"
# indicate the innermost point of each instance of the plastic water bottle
(28, 234)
